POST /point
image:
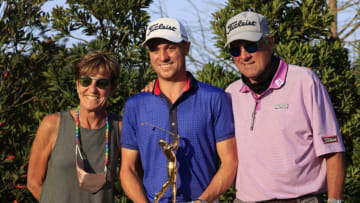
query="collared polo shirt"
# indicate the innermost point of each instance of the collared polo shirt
(281, 135)
(203, 117)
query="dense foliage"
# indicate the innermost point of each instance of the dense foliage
(37, 68)
(302, 37)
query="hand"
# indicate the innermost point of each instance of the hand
(199, 201)
(149, 87)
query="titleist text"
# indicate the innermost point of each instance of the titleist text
(239, 23)
(160, 27)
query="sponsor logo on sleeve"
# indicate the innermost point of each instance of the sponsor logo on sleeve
(330, 139)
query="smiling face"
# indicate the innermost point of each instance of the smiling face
(168, 59)
(254, 65)
(92, 98)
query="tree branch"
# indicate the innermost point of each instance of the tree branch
(72, 36)
(348, 4)
(355, 27)
(349, 24)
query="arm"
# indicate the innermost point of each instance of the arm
(225, 176)
(119, 138)
(130, 176)
(324, 123)
(335, 174)
(41, 149)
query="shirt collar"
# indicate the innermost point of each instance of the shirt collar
(191, 84)
(278, 80)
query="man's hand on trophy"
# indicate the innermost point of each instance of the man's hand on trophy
(198, 200)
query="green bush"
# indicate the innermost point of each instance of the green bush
(37, 69)
(303, 38)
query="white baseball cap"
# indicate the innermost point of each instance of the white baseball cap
(166, 28)
(247, 26)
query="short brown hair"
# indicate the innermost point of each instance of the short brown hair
(98, 62)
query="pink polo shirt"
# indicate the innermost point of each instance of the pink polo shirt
(280, 143)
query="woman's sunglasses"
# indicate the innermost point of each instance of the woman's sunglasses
(101, 83)
(249, 47)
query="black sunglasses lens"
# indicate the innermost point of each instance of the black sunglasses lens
(85, 81)
(251, 48)
(235, 51)
(102, 83)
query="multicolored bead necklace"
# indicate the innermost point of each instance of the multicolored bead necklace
(106, 136)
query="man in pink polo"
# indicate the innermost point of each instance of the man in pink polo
(288, 140)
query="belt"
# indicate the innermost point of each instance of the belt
(295, 200)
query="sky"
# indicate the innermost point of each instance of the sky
(196, 16)
(344, 17)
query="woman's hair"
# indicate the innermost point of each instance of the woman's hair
(98, 62)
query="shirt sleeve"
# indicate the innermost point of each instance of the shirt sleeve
(223, 118)
(326, 133)
(128, 131)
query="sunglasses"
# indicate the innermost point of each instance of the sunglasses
(249, 47)
(101, 83)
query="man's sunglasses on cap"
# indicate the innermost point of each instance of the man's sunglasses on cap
(249, 47)
(101, 83)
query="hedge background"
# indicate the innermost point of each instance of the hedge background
(37, 69)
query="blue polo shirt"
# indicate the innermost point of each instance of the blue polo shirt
(202, 116)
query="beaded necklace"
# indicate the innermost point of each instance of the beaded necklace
(106, 137)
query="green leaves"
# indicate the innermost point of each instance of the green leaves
(37, 70)
(302, 37)
(216, 75)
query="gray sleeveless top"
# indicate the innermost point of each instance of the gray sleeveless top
(61, 184)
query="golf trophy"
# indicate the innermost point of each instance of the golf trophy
(169, 152)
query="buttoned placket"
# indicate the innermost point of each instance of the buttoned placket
(257, 99)
(253, 115)
(172, 114)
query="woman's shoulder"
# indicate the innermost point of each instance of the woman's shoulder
(51, 120)
(48, 130)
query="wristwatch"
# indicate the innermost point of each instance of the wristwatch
(331, 200)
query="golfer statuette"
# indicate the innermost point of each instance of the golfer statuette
(169, 151)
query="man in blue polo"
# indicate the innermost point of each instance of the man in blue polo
(199, 113)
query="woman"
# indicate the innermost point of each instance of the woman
(74, 154)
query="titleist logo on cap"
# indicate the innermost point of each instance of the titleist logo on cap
(247, 26)
(240, 23)
(166, 28)
(161, 26)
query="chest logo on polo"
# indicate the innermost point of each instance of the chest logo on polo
(330, 139)
(281, 106)
(279, 82)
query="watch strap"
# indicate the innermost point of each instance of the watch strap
(331, 200)
(200, 200)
